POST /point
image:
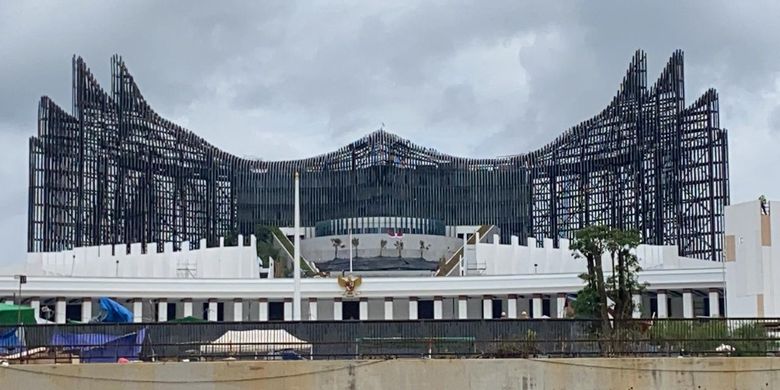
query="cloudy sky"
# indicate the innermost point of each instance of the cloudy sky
(281, 80)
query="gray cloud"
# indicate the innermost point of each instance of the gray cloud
(286, 80)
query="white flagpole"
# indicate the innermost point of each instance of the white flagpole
(350, 246)
(297, 253)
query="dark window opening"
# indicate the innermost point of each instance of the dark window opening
(350, 310)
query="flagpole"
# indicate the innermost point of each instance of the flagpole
(297, 252)
(350, 246)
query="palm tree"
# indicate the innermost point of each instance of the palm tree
(355, 243)
(336, 242)
(382, 245)
(399, 245)
(423, 247)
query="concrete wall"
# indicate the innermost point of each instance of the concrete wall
(532, 374)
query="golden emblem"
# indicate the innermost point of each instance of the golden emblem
(350, 284)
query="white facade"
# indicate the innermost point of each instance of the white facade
(752, 253)
(114, 261)
(224, 282)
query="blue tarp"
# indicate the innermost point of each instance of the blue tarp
(114, 312)
(9, 341)
(101, 347)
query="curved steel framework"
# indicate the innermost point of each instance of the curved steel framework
(114, 171)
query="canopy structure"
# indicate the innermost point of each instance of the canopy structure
(114, 312)
(16, 314)
(256, 341)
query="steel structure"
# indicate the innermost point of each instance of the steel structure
(114, 171)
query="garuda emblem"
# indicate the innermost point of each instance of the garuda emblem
(350, 284)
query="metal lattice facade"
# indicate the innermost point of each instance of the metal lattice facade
(114, 171)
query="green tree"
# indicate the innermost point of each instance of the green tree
(593, 300)
(355, 244)
(382, 245)
(265, 243)
(336, 242)
(423, 247)
(399, 246)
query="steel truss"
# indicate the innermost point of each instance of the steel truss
(116, 172)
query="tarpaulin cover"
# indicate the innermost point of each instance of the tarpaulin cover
(114, 312)
(101, 347)
(15, 314)
(9, 341)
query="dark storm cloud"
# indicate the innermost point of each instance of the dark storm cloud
(281, 80)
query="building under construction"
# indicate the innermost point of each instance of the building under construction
(114, 171)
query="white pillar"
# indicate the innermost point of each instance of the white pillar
(238, 310)
(560, 306)
(288, 309)
(59, 311)
(363, 307)
(187, 307)
(162, 310)
(312, 309)
(213, 310)
(536, 310)
(262, 309)
(86, 309)
(687, 303)
(437, 308)
(636, 299)
(388, 308)
(714, 302)
(35, 303)
(138, 310)
(296, 301)
(663, 309)
(412, 308)
(463, 307)
(337, 313)
(487, 307)
(511, 306)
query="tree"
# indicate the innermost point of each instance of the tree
(594, 299)
(336, 242)
(399, 246)
(382, 245)
(423, 247)
(355, 244)
(265, 243)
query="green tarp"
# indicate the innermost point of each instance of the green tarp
(14, 314)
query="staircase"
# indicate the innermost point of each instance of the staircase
(307, 268)
(452, 263)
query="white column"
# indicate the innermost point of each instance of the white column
(536, 310)
(687, 303)
(296, 301)
(412, 308)
(213, 310)
(138, 310)
(288, 309)
(363, 307)
(337, 313)
(560, 306)
(238, 310)
(262, 309)
(487, 307)
(511, 306)
(162, 310)
(187, 308)
(59, 311)
(437, 308)
(636, 299)
(463, 307)
(86, 309)
(312, 309)
(35, 303)
(388, 308)
(714, 302)
(663, 309)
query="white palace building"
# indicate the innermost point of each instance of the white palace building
(489, 278)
